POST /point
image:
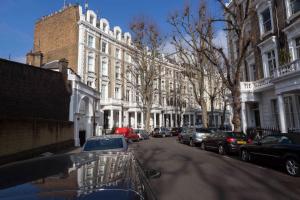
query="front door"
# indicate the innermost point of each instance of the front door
(257, 118)
(82, 138)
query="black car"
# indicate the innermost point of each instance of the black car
(176, 131)
(161, 132)
(282, 149)
(224, 141)
(112, 175)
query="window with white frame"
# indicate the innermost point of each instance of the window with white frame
(91, 41)
(117, 93)
(271, 62)
(104, 47)
(118, 71)
(297, 47)
(118, 53)
(266, 20)
(127, 96)
(128, 75)
(91, 62)
(294, 6)
(103, 91)
(104, 67)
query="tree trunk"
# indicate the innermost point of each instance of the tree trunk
(223, 116)
(212, 99)
(147, 117)
(236, 106)
(204, 114)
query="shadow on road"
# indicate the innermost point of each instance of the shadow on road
(190, 173)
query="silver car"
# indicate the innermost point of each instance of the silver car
(199, 134)
(105, 143)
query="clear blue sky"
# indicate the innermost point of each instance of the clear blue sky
(17, 17)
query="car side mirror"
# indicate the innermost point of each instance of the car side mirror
(152, 173)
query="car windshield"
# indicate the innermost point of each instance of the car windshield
(103, 144)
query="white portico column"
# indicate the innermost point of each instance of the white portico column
(154, 120)
(135, 119)
(281, 110)
(171, 118)
(120, 118)
(190, 123)
(111, 120)
(176, 120)
(244, 116)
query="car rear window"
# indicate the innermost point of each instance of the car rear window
(103, 144)
(236, 135)
(203, 130)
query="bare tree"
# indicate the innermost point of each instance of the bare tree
(146, 67)
(189, 28)
(235, 18)
(213, 89)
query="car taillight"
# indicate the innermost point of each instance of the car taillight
(230, 140)
(249, 141)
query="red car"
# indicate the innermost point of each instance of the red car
(128, 133)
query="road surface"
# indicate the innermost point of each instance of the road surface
(189, 173)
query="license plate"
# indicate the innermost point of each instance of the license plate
(241, 142)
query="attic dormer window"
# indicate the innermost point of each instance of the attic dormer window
(91, 19)
(104, 26)
(118, 34)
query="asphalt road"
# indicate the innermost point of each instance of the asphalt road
(189, 173)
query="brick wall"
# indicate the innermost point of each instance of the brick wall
(31, 92)
(56, 36)
(25, 138)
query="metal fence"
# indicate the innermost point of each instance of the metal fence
(253, 133)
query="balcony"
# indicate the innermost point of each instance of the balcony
(287, 69)
(111, 101)
(256, 86)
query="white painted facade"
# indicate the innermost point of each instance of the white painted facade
(273, 101)
(97, 39)
(84, 105)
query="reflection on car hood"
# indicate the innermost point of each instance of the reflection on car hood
(77, 176)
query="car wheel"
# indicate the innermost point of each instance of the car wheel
(221, 150)
(163, 135)
(292, 166)
(203, 147)
(245, 155)
(191, 143)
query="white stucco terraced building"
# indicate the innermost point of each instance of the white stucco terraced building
(271, 78)
(98, 53)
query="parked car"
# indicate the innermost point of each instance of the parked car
(161, 132)
(143, 135)
(78, 176)
(128, 133)
(105, 143)
(186, 135)
(224, 141)
(176, 131)
(199, 134)
(282, 149)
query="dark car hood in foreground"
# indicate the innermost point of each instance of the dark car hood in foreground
(76, 176)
